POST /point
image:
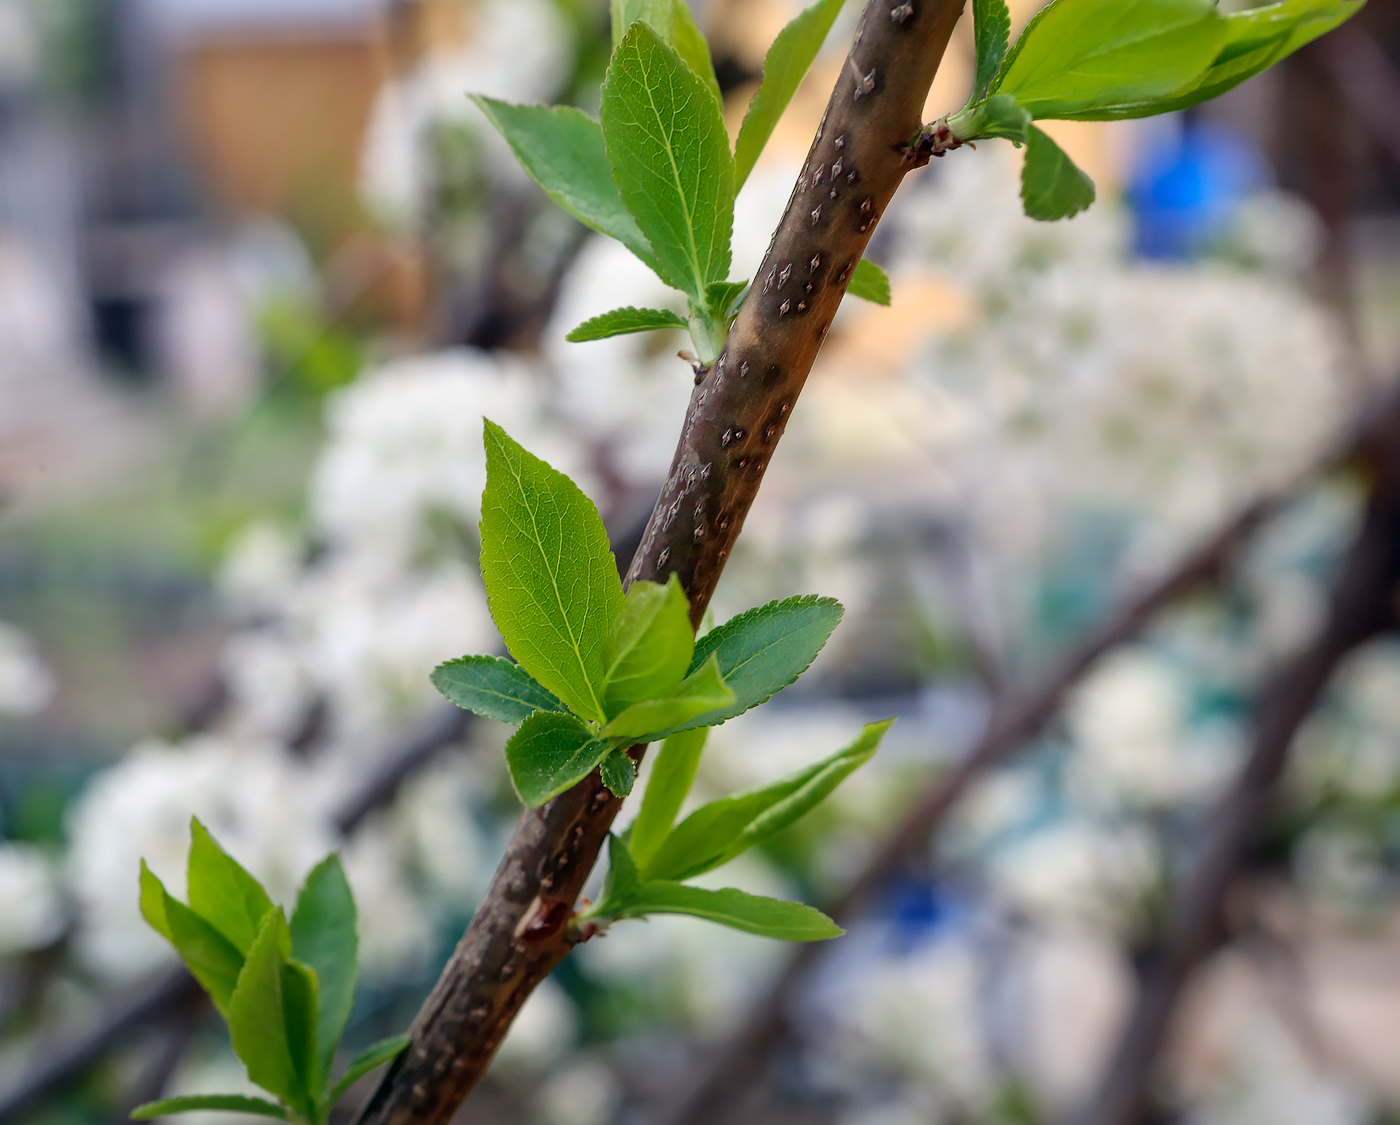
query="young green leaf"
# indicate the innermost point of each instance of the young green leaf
(619, 773)
(493, 687)
(562, 150)
(551, 581)
(620, 885)
(1255, 40)
(767, 917)
(227, 1103)
(153, 903)
(1001, 115)
(723, 298)
(1052, 187)
(992, 33)
(649, 645)
(211, 958)
(672, 774)
(669, 154)
(718, 832)
(323, 931)
(549, 754)
(222, 892)
(787, 62)
(658, 13)
(372, 1057)
(1077, 56)
(870, 283)
(621, 322)
(816, 787)
(299, 1006)
(690, 44)
(763, 650)
(702, 692)
(257, 1017)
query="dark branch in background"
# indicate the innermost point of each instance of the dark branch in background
(747, 1054)
(175, 992)
(1363, 607)
(736, 415)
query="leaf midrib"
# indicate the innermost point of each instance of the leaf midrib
(694, 254)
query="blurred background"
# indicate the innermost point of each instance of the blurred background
(263, 269)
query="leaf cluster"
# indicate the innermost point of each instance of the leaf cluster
(656, 171)
(597, 671)
(1105, 60)
(284, 987)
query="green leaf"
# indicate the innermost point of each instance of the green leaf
(620, 885)
(658, 13)
(649, 645)
(669, 154)
(767, 917)
(1077, 56)
(211, 958)
(690, 44)
(1052, 187)
(562, 150)
(1255, 40)
(624, 321)
(619, 773)
(672, 775)
(723, 298)
(763, 650)
(153, 903)
(257, 1018)
(992, 33)
(716, 833)
(870, 283)
(373, 1056)
(703, 692)
(222, 892)
(299, 1010)
(323, 931)
(787, 62)
(231, 1103)
(493, 687)
(1001, 115)
(549, 754)
(551, 581)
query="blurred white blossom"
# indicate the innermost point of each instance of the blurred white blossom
(31, 908)
(26, 684)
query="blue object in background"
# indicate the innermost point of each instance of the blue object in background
(918, 910)
(1187, 188)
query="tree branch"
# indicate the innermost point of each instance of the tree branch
(1363, 606)
(737, 413)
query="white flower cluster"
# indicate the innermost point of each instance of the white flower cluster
(1082, 378)
(339, 640)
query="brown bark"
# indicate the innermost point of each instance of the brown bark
(736, 416)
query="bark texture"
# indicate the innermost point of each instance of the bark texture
(737, 414)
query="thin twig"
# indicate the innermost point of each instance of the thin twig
(736, 415)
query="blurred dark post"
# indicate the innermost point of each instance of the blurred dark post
(138, 192)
